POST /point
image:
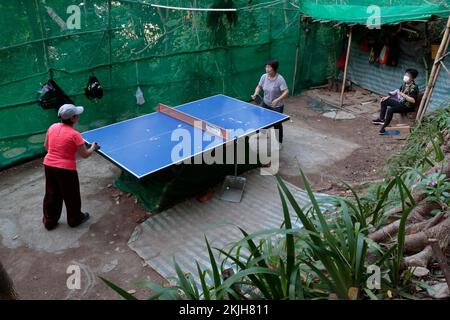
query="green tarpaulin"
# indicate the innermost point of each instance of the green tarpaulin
(374, 12)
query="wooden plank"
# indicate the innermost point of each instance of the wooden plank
(404, 131)
(194, 121)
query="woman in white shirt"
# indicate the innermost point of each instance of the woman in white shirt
(275, 90)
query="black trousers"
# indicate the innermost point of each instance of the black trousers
(391, 106)
(61, 185)
(278, 126)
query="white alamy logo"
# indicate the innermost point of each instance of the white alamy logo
(374, 20)
(73, 21)
(74, 280)
(263, 146)
(374, 280)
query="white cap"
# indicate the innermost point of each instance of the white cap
(69, 110)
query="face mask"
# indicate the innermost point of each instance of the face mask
(406, 79)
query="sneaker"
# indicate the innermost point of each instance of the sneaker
(378, 121)
(382, 132)
(85, 218)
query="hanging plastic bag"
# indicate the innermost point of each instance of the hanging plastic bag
(384, 54)
(139, 96)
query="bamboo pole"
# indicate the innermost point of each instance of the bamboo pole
(294, 78)
(434, 73)
(344, 80)
(295, 71)
(432, 83)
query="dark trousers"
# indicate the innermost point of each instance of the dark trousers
(278, 126)
(61, 185)
(391, 106)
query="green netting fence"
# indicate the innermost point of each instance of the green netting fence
(175, 56)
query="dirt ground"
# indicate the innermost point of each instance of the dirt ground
(101, 249)
(364, 165)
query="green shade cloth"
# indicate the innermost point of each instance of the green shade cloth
(362, 12)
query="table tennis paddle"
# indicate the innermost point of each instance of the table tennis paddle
(257, 99)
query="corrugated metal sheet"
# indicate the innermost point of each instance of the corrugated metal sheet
(181, 230)
(381, 78)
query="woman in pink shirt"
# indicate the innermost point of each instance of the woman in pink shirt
(62, 143)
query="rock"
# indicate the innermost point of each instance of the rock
(339, 115)
(110, 266)
(15, 237)
(419, 272)
(109, 185)
(111, 242)
(353, 293)
(439, 291)
(132, 291)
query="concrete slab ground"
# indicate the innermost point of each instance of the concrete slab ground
(37, 260)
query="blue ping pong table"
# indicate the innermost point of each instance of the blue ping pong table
(143, 145)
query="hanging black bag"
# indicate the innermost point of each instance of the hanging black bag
(93, 89)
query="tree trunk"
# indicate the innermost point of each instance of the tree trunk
(417, 242)
(6, 286)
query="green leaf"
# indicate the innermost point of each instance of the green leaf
(216, 275)
(290, 250)
(303, 218)
(184, 283)
(271, 281)
(244, 273)
(371, 295)
(381, 200)
(162, 293)
(255, 280)
(119, 290)
(360, 211)
(202, 276)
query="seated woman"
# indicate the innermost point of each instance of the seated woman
(407, 97)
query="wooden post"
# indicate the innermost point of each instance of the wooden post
(434, 73)
(295, 71)
(294, 78)
(344, 80)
